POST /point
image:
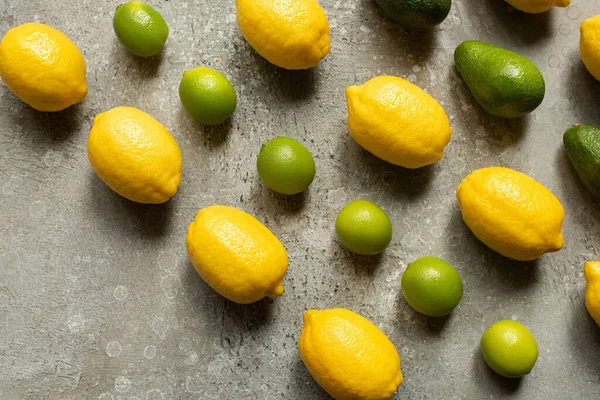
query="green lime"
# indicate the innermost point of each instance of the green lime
(140, 28)
(285, 165)
(207, 95)
(432, 286)
(363, 227)
(509, 348)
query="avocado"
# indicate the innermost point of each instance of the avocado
(504, 83)
(416, 14)
(582, 143)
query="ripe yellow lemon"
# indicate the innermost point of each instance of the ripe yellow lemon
(135, 155)
(42, 67)
(537, 6)
(292, 34)
(511, 213)
(397, 121)
(349, 356)
(589, 48)
(236, 255)
(592, 289)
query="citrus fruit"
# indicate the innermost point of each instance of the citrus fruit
(292, 34)
(349, 356)
(140, 28)
(135, 155)
(207, 95)
(363, 227)
(397, 121)
(42, 67)
(236, 255)
(432, 286)
(591, 271)
(511, 213)
(285, 165)
(509, 348)
(537, 6)
(588, 45)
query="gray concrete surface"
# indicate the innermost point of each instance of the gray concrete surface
(99, 301)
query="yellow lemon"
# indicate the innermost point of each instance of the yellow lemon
(589, 45)
(537, 6)
(135, 155)
(42, 67)
(349, 356)
(236, 255)
(592, 289)
(511, 213)
(397, 121)
(292, 34)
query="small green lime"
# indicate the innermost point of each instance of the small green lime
(285, 165)
(140, 28)
(432, 286)
(363, 227)
(509, 348)
(207, 95)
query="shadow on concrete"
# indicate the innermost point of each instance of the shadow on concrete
(46, 129)
(415, 42)
(583, 89)
(419, 324)
(408, 183)
(213, 136)
(301, 381)
(273, 201)
(292, 85)
(233, 317)
(520, 27)
(249, 317)
(512, 273)
(135, 66)
(132, 219)
(217, 134)
(363, 265)
(289, 204)
(584, 336)
(486, 377)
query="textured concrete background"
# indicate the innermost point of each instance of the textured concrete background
(99, 301)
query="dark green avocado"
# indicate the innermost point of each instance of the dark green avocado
(504, 83)
(416, 14)
(582, 144)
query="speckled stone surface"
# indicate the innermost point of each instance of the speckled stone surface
(99, 301)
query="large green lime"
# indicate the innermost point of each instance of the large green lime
(432, 286)
(140, 28)
(285, 165)
(509, 348)
(207, 95)
(363, 227)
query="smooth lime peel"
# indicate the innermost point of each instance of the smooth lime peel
(509, 348)
(140, 28)
(432, 286)
(363, 228)
(207, 95)
(285, 165)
